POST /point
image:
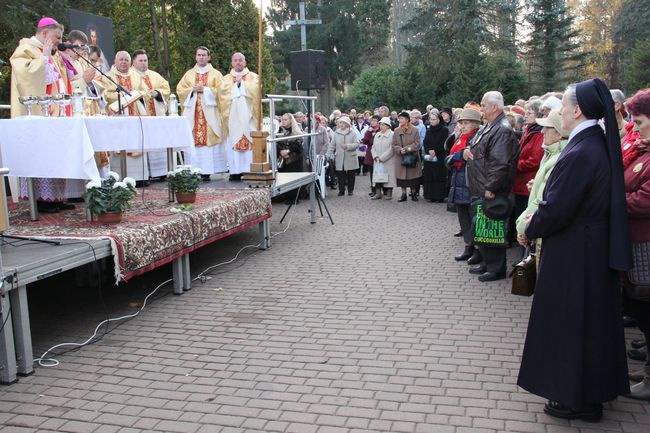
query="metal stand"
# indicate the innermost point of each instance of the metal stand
(320, 200)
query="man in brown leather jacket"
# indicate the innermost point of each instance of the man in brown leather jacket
(491, 168)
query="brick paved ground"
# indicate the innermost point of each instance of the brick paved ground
(365, 326)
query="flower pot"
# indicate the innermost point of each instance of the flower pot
(109, 217)
(185, 197)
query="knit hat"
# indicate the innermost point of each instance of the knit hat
(344, 119)
(447, 110)
(470, 114)
(554, 120)
(552, 102)
(46, 21)
(405, 114)
(385, 121)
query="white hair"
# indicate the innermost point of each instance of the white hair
(570, 94)
(496, 98)
(618, 96)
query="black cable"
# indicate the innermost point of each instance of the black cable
(5, 321)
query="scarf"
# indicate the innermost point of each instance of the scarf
(461, 144)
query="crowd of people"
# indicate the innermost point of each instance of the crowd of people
(568, 174)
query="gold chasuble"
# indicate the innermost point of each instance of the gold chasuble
(152, 80)
(28, 76)
(132, 82)
(201, 109)
(250, 80)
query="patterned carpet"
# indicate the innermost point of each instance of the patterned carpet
(150, 235)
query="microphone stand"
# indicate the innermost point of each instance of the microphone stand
(118, 87)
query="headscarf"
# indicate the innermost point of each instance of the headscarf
(595, 102)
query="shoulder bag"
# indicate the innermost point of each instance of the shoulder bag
(638, 278)
(524, 275)
(409, 160)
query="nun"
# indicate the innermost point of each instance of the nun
(574, 355)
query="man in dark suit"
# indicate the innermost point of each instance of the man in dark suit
(491, 168)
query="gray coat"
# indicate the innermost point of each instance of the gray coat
(382, 148)
(345, 159)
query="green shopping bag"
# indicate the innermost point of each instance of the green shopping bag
(488, 231)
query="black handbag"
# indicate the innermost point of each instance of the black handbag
(524, 275)
(409, 160)
(638, 278)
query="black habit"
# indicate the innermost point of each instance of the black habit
(434, 174)
(575, 349)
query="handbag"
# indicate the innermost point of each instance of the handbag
(379, 174)
(409, 160)
(524, 275)
(638, 278)
(488, 231)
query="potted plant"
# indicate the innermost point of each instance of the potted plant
(109, 198)
(184, 181)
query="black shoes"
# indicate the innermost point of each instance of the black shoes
(350, 193)
(491, 276)
(66, 206)
(476, 258)
(459, 234)
(629, 322)
(232, 177)
(414, 197)
(341, 193)
(469, 251)
(589, 413)
(637, 344)
(639, 354)
(402, 198)
(478, 270)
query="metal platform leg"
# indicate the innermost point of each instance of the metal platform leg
(177, 273)
(312, 202)
(7, 349)
(264, 240)
(22, 331)
(187, 275)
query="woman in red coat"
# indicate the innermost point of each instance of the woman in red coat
(637, 196)
(530, 156)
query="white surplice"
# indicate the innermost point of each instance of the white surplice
(240, 124)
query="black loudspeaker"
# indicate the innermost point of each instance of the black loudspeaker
(307, 69)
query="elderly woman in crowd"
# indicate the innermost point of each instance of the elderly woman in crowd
(469, 122)
(322, 142)
(383, 155)
(406, 141)
(343, 148)
(637, 196)
(530, 155)
(289, 152)
(574, 352)
(434, 174)
(448, 119)
(368, 140)
(555, 139)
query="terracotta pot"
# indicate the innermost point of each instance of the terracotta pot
(185, 197)
(109, 217)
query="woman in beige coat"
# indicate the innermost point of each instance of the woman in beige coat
(382, 153)
(406, 140)
(343, 147)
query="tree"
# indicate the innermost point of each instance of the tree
(552, 52)
(374, 87)
(637, 73)
(633, 29)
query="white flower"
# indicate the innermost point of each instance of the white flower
(129, 181)
(119, 185)
(170, 173)
(114, 175)
(197, 171)
(95, 183)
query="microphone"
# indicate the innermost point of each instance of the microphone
(63, 47)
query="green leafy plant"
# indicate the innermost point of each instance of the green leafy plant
(184, 179)
(109, 195)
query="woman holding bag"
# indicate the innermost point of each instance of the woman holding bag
(637, 198)
(384, 160)
(406, 147)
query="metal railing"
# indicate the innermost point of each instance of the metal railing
(272, 140)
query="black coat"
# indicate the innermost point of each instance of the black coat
(295, 161)
(575, 347)
(434, 174)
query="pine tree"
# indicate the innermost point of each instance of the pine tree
(552, 52)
